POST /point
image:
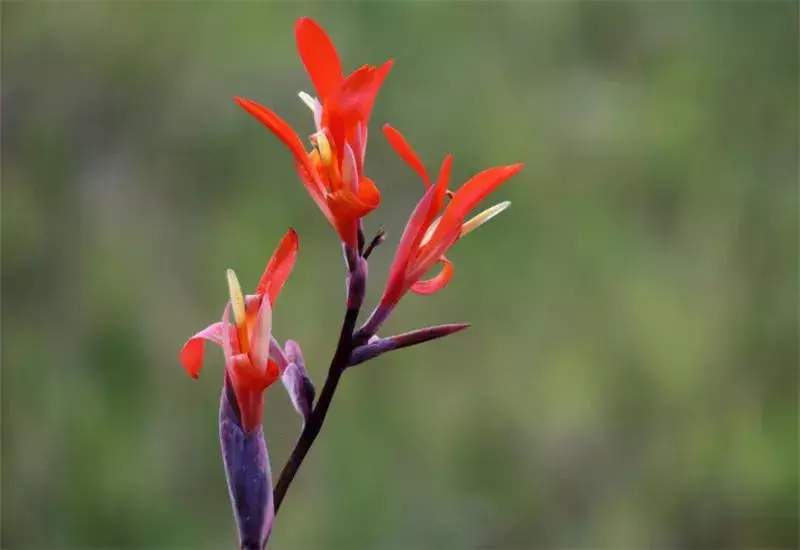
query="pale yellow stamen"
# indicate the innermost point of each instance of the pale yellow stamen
(324, 147)
(484, 217)
(429, 233)
(310, 102)
(471, 225)
(237, 305)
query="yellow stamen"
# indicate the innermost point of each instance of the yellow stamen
(308, 100)
(324, 147)
(237, 304)
(484, 217)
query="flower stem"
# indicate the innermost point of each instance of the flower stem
(341, 357)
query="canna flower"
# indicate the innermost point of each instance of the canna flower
(253, 361)
(428, 235)
(324, 67)
(332, 171)
(253, 358)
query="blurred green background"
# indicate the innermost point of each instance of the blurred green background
(631, 375)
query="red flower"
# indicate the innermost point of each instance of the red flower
(426, 238)
(253, 358)
(333, 171)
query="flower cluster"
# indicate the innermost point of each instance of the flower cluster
(332, 171)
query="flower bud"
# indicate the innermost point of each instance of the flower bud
(247, 472)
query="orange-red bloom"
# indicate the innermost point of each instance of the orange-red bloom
(253, 358)
(333, 171)
(427, 237)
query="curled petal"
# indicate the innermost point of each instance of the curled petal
(346, 205)
(191, 355)
(405, 152)
(368, 193)
(279, 266)
(319, 57)
(436, 283)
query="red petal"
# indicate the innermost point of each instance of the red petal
(351, 106)
(191, 355)
(470, 194)
(343, 110)
(315, 190)
(281, 129)
(357, 90)
(368, 192)
(232, 337)
(380, 75)
(249, 393)
(359, 143)
(405, 152)
(349, 169)
(442, 181)
(260, 337)
(422, 216)
(280, 266)
(437, 282)
(319, 57)
(248, 382)
(245, 375)
(346, 205)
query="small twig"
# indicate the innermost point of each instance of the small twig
(377, 240)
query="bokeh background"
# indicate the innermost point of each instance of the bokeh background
(631, 376)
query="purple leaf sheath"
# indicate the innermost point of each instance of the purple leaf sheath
(247, 472)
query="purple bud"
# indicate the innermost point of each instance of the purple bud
(380, 346)
(296, 381)
(247, 472)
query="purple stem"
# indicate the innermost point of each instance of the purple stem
(355, 297)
